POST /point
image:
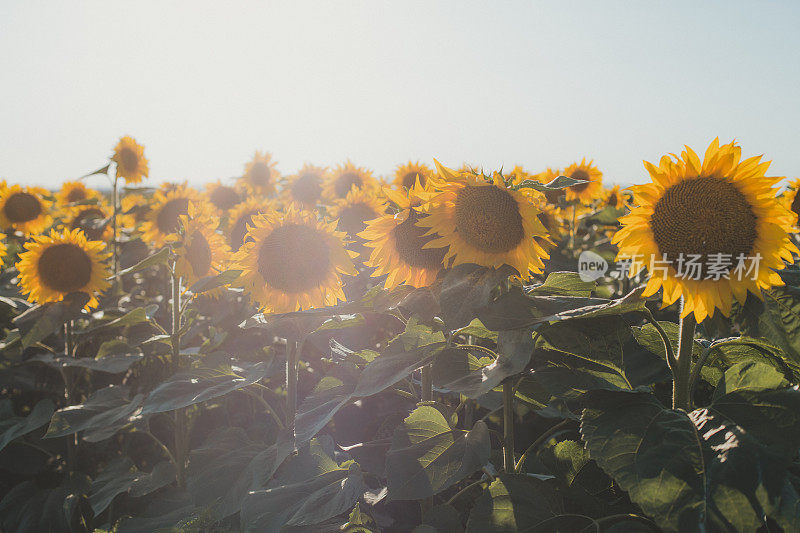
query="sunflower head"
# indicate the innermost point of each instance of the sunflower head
(163, 219)
(293, 261)
(3, 248)
(615, 198)
(398, 242)
(260, 174)
(93, 220)
(709, 231)
(241, 216)
(791, 196)
(24, 209)
(134, 208)
(554, 196)
(588, 192)
(353, 211)
(486, 223)
(75, 191)
(61, 263)
(130, 160)
(305, 188)
(221, 196)
(346, 177)
(407, 175)
(200, 251)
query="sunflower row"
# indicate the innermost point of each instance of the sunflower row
(297, 239)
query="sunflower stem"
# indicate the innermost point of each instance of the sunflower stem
(508, 426)
(291, 382)
(427, 384)
(680, 375)
(572, 229)
(66, 374)
(115, 203)
(180, 414)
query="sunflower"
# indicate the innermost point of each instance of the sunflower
(585, 193)
(134, 208)
(3, 248)
(241, 216)
(200, 250)
(615, 198)
(131, 162)
(406, 175)
(260, 174)
(305, 187)
(356, 209)
(552, 218)
(791, 197)
(398, 241)
(346, 177)
(222, 196)
(721, 213)
(293, 262)
(485, 223)
(24, 209)
(164, 217)
(75, 191)
(93, 220)
(62, 263)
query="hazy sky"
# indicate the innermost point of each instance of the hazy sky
(204, 84)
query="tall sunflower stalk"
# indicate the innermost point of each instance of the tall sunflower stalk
(175, 342)
(67, 376)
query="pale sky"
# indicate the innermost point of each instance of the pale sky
(203, 84)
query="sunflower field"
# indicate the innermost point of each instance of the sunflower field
(443, 350)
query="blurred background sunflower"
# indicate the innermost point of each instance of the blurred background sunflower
(585, 193)
(346, 177)
(305, 187)
(130, 160)
(260, 174)
(200, 251)
(61, 263)
(353, 211)
(406, 175)
(221, 196)
(75, 191)
(93, 220)
(721, 205)
(241, 216)
(294, 261)
(25, 209)
(163, 219)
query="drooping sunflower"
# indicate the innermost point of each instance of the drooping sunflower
(406, 175)
(134, 208)
(163, 218)
(222, 196)
(305, 188)
(260, 174)
(355, 209)
(345, 177)
(200, 251)
(588, 192)
(241, 216)
(131, 162)
(486, 223)
(723, 214)
(75, 191)
(294, 261)
(397, 241)
(25, 209)
(60, 263)
(93, 220)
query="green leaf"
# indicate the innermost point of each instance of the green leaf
(725, 353)
(112, 364)
(776, 318)
(427, 456)
(514, 503)
(477, 329)
(131, 318)
(16, 426)
(608, 216)
(561, 182)
(341, 322)
(229, 465)
(312, 488)
(158, 258)
(546, 384)
(105, 412)
(40, 321)
(212, 282)
(564, 284)
(121, 477)
(319, 408)
(204, 384)
(167, 511)
(465, 289)
(29, 508)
